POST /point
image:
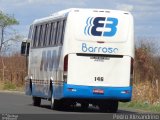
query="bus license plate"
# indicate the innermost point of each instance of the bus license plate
(98, 91)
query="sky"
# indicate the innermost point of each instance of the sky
(146, 13)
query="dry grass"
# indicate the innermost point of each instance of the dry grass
(1, 85)
(12, 71)
(147, 76)
(146, 92)
(10, 86)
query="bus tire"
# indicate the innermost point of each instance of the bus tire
(36, 101)
(52, 101)
(84, 106)
(55, 104)
(109, 106)
(30, 85)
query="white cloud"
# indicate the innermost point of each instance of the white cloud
(125, 7)
(145, 2)
(13, 2)
(42, 1)
(63, 2)
(74, 2)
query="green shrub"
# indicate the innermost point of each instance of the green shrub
(9, 86)
(146, 107)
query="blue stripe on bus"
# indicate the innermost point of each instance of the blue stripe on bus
(86, 92)
(77, 91)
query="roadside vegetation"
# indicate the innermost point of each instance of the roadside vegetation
(146, 83)
(146, 86)
(12, 72)
(141, 106)
(12, 65)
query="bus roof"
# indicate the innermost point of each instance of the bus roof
(64, 13)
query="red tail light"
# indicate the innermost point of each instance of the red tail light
(65, 68)
(66, 63)
(132, 65)
(132, 72)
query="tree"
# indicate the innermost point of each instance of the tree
(5, 21)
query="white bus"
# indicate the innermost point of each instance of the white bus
(81, 56)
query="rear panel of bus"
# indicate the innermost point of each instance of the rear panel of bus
(98, 54)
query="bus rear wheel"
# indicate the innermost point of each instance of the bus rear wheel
(36, 101)
(55, 104)
(109, 106)
(84, 106)
(52, 102)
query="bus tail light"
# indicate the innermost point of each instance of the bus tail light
(132, 65)
(65, 68)
(132, 71)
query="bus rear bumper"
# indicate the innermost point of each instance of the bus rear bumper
(94, 92)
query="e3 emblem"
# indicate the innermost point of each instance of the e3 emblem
(92, 25)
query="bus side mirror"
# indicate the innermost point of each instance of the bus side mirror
(25, 48)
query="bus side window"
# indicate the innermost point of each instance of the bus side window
(57, 33)
(60, 32)
(63, 30)
(53, 32)
(41, 36)
(30, 32)
(45, 34)
(30, 35)
(35, 36)
(48, 34)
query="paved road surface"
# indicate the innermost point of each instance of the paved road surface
(18, 103)
(17, 106)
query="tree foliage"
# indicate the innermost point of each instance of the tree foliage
(7, 20)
